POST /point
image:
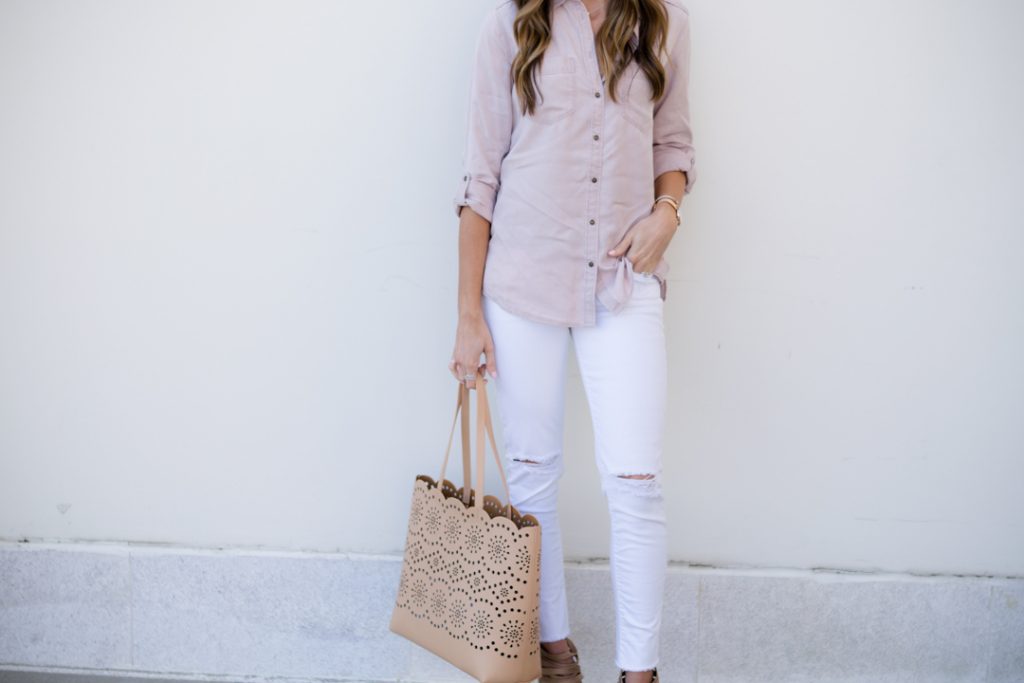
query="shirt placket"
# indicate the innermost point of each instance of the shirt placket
(592, 229)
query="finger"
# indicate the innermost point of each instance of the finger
(492, 363)
(622, 246)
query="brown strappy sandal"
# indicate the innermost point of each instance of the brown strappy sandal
(654, 675)
(560, 667)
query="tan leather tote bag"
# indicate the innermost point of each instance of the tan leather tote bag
(470, 586)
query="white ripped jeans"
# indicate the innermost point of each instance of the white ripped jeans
(622, 361)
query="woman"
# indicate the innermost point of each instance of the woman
(573, 191)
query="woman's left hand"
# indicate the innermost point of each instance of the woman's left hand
(648, 239)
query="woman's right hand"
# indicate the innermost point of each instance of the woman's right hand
(472, 337)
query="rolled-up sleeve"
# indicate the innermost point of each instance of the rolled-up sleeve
(673, 137)
(489, 121)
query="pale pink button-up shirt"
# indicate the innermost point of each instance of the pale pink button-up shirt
(563, 186)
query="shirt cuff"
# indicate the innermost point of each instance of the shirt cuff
(476, 194)
(674, 159)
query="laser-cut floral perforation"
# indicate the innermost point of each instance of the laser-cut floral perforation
(522, 559)
(438, 603)
(466, 569)
(452, 528)
(432, 521)
(512, 633)
(475, 535)
(458, 611)
(455, 571)
(497, 549)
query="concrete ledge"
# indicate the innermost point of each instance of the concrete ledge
(227, 615)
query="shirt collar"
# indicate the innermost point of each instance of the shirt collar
(636, 29)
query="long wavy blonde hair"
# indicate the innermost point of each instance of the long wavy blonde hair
(532, 29)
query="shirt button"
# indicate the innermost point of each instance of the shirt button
(465, 177)
(593, 180)
(596, 136)
(597, 93)
(591, 264)
(592, 221)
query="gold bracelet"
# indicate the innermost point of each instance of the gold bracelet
(671, 200)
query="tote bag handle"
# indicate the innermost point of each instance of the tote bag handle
(483, 424)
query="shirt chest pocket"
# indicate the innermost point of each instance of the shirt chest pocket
(637, 105)
(556, 98)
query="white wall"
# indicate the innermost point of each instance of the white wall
(228, 271)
